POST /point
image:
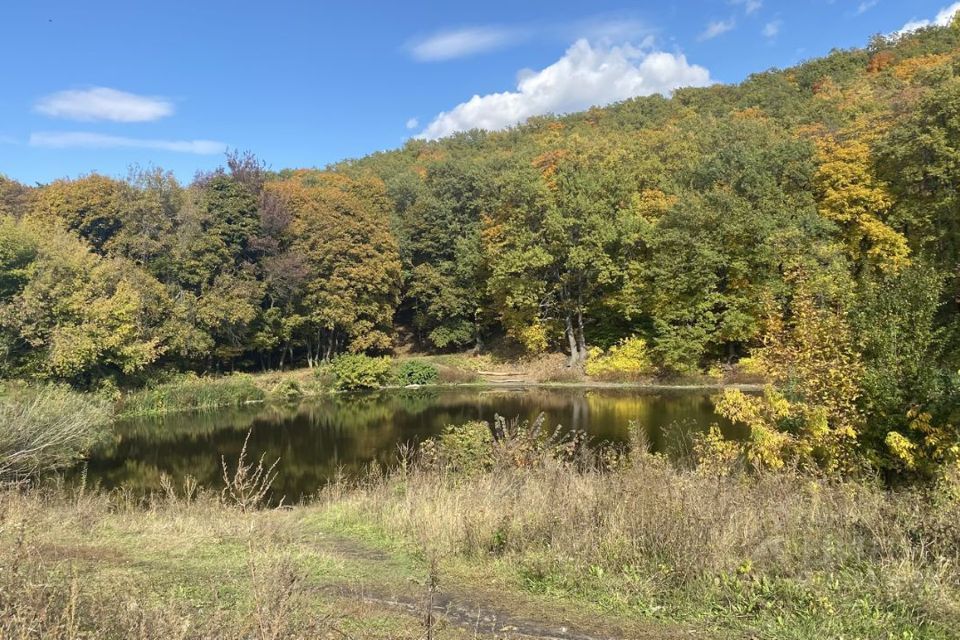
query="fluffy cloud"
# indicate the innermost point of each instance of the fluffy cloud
(413, 123)
(772, 29)
(585, 76)
(942, 19)
(101, 103)
(83, 139)
(447, 45)
(716, 28)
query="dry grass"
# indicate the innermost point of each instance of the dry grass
(447, 374)
(552, 367)
(780, 555)
(179, 565)
(794, 555)
(46, 429)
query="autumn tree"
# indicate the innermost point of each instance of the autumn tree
(341, 228)
(850, 196)
(90, 206)
(14, 197)
(69, 314)
(810, 414)
(552, 243)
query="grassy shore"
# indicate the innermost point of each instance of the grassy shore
(192, 392)
(521, 545)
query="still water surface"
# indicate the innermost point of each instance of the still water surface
(316, 439)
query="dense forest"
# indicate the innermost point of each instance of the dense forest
(808, 218)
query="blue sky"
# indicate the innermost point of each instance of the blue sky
(100, 85)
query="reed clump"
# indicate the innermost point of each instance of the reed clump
(191, 392)
(46, 428)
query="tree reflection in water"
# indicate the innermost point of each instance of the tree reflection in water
(319, 438)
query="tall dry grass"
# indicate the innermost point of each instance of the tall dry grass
(45, 429)
(84, 565)
(653, 537)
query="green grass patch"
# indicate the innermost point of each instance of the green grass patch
(191, 392)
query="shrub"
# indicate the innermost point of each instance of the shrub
(479, 446)
(47, 429)
(465, 448)
(289, 390)
(748, 370)
(416, 372)
(628, 359)
(358, 371)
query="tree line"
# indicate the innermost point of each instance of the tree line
(808, 215)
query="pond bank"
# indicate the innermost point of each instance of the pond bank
(191, 392)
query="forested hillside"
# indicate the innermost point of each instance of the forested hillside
(807, 218)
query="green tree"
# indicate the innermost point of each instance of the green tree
(442, 252)
(553, 242)
(91, 206)
(69, 314)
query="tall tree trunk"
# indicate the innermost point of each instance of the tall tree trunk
(581, 339)
(331, 346)
(477, 337)
(572, 340)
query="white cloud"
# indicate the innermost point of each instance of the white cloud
(606, 28)
(102, 103)
(772, 29)
(456, 43)
(447, 45)
(749, 6)
(866, 5)
(716, 28)
(84, 139)
(585, 76)
(942, 19)
(413, 123)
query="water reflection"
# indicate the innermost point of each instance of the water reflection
(319, 438)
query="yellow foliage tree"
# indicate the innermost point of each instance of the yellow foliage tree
(808, 414)
(72, 314)
(849, 195)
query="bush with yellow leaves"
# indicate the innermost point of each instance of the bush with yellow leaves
(629, 359)
(808, 415)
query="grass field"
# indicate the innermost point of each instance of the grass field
(524, 546)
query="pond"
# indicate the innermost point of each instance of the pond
(319, 438)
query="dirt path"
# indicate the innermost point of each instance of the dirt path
(485, 610)
(505, 377)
